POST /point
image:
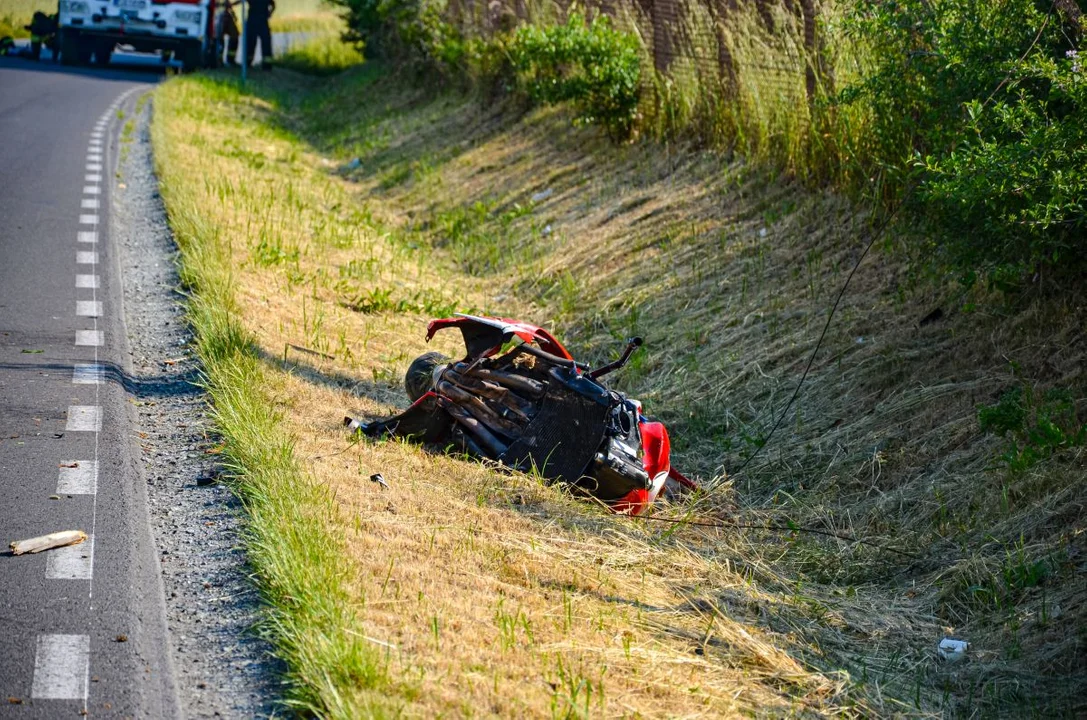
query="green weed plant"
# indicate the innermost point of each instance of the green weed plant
(1036, 426)
(589, 64)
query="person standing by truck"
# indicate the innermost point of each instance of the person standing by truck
(256, 26)
(43, 31)
(228, 32)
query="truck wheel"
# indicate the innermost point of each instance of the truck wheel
(190, 57)
(102, 53)
(212, 55)
(69, 48)
(83, 52)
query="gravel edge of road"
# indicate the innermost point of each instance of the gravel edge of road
(223, 669)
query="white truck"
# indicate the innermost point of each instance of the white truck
(182, 28)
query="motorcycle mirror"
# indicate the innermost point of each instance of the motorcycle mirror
(632, 344)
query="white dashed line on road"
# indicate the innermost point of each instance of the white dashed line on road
(88, 219)
(74, 562)
(94, 167)
(78, 477)
(88, 308)
(92, 178)
(61, 664)
(84, 418)
(88, 338)
(86, 281)
(94, 157)
(89, 203)
(87, 236)
(88, 374)
(91, 190)
(86, 257)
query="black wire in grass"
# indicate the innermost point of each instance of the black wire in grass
(773, 527)
(811, 359)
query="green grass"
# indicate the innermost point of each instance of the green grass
(310, 615)
(14, 14)
(324, 54)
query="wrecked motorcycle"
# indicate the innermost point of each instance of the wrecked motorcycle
(519, 398)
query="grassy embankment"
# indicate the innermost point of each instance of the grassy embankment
(304, 16)
(463, 590)
(321, 52)
(16, 14)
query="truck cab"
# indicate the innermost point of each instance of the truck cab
(184, 28)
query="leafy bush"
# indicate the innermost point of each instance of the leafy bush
(982, 105)
(592, 65)
(388, 28)
(1038, 426)
(324, 54)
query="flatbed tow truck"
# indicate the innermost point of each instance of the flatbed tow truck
(184, 29)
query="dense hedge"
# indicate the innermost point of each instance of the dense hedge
(983, 107)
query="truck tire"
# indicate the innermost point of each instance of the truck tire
(191, 57)
(69, 48)
(103, 51)
(83, 51)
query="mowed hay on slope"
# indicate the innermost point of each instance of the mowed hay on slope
(730, 272)
(486, 593)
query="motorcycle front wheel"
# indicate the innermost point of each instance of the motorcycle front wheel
(419, 379)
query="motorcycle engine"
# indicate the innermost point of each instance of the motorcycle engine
(617, 466)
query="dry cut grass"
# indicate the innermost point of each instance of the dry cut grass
(356, 211)
(486, 594)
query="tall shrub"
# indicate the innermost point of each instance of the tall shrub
(590, 64)
(982, 105)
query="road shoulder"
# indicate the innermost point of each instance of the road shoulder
(223, 668)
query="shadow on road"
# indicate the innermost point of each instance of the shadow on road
(123, 67)
(148, 386)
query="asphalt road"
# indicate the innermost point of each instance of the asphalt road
(82, 629)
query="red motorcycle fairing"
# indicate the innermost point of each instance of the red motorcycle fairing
(484, 336)
(656, 450)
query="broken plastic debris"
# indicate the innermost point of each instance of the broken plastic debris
(951, 649)
(355, 164)
(48, 542)
(542, 195)
(376, 477)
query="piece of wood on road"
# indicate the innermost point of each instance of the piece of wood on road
(48, 542)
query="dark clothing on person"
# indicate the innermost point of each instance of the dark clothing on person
(230, 34)
(261, 8)
(256, 27)
(43, 31)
